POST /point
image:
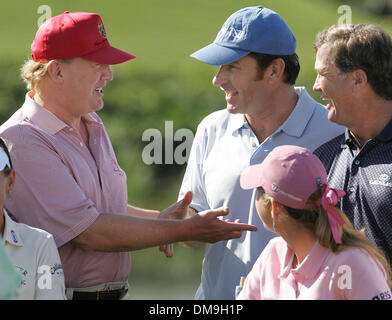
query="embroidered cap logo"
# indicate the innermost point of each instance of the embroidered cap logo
(101, 30)
(275, 188)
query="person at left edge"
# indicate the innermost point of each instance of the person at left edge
(32, 251)
(67, 172)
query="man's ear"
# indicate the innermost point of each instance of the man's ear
(11, 181)
(55, 71)
(276, 69)
(359, 78)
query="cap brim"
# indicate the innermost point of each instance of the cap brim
(217, 55)
(251, 177)
(109, 55)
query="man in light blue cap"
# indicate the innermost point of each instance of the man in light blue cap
(255, 50)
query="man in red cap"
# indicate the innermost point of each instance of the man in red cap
(67, 172)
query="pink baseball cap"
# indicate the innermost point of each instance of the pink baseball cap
(75, 35)
(290, 174)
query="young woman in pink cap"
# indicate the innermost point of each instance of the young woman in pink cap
(318, 255)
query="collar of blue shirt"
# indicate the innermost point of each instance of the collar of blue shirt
(294, 125)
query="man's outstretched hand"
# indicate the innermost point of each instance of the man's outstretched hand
(205, 226)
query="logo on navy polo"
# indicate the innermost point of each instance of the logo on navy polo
(383, 180)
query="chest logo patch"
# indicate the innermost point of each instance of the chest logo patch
(383, 180)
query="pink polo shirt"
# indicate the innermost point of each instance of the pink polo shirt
(323, 275)
(62, 187)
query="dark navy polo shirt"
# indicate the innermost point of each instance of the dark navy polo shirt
(366, 176)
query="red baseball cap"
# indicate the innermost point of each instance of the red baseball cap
(289, 173)
(75, 35)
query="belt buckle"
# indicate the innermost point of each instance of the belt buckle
(105, 289)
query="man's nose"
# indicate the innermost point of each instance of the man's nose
(107, 74)
(219, 78)
(316, 85)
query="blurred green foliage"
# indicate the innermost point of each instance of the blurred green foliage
(163, 83)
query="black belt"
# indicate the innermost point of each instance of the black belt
(116, 294)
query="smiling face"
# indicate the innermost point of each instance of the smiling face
(334, 87)
(83, 85)
(241, 83)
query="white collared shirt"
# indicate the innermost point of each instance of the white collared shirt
(223, 147)
(34, 254)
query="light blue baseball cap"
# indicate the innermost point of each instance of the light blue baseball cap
(251, 29)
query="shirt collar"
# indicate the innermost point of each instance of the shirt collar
(300, 116)
(11, 231)
(310, 266)
(44, 119)
(40, 116)
(348, 140)
(237, 121)
(294, 125)
(385, 136)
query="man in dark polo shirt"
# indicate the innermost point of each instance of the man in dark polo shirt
(354, 74)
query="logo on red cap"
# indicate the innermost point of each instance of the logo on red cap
(101, 30)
